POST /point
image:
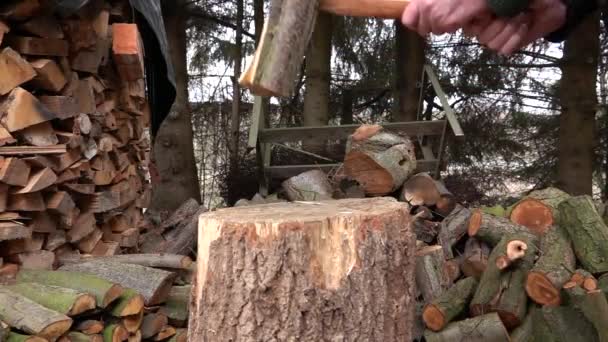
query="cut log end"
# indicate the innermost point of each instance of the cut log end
(372, 176)
(134, 306)
(55, 329)
(590, 284)
(541, 290)
(433, 317)
(474, 222)
(83, 303)
(534, 214)
(113, 294)
(133, 323)
(516, 250)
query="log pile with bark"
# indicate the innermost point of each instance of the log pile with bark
(73, 147)
(141, 297)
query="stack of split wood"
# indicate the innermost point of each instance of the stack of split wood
(73, 115)
(139, 297)
(536, 271)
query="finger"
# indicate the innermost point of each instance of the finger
(410, 16)
(424, 24)
(491, 31)
(516, 41)
(510, 29)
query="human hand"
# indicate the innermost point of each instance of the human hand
(441, 16)
(507, 35)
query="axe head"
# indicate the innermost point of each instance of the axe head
(287, 32)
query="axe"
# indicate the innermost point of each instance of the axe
(287, 33)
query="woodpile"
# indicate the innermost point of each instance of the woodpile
(141, 298)
(73, 147)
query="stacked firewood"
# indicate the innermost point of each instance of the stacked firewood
(73, 148)
(141, 297)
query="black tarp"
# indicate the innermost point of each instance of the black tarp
(160, 76)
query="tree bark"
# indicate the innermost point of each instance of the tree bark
(431, 278)
(578, 98)
(173, 151)
(491, 229)
(409, 65)
(318, 79)
(479, 329)
(450, 304)
(283, 265)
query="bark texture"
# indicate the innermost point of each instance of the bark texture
(173, 152)
(340, 271)
(479, 329)
(450, 304)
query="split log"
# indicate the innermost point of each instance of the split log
(38, 181)
(24, 245)
(43, 26)
(475, 258)
(503, 291)
(176, 307)
(41, 134)
(31, 317)
(26, 202)
(491, 229)
(129, 303)
(380, 162)
(13, 231)
(431, 277)
(450, 304)
(64, 107)
(453, 229)
(152, 283)
(553, 269)
(90, 327)
(312, 185)
(35, 260)
(105, 292)
(127, 50)
(593, 305)
(20, 109)
(115, 333)
(364, 243)
(588, 232)
(539, 210)
(14, 171)
(74, 336)
(48, 75)
(63, 300)
(34, 46)
(14, 69)
(153, 323)
(167, 332)
(479, 329)
(15, 337)
(133, 323)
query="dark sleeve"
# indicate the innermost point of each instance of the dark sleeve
(576, 12)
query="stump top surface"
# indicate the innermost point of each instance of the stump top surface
(306, 211)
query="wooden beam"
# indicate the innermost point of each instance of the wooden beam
(449, 111)
(340, 132)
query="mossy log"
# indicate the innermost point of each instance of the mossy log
(593, 305)
(483, 328)
(321, 255)
(380, 162)
(491, 229)
(104, 291)
(431, 277)
(497, 210)
(450, 304)
(588, 232)
(115, 333)
(129, 303)
(538, 210)
(176, 307)
(30, 317)
(153, 284)
(69, 302)
(503, 291)
(453, 229)
(16, 337)
(553, 269)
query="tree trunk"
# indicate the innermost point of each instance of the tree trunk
(235, 116)
(409, 64)
(339, 271)
(578, 97)
(318, 79)
(173, 151)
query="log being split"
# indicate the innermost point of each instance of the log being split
(339, 250)
(491, 229)
(153, 284)
(553, 269)
(449, 305)
(312, 185)
(26, 315)
(431, 276)
(379, 161)
(588, 232)
(503, 291)
(63, 300)
(539, 210)
(479, 329)
(105, 292)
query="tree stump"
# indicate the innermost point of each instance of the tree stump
(338, 270)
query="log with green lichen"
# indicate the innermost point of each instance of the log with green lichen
(16, 337)
(482, 328)
(63, 300)
(105, 292)
(129, 303)
(587, 231)
(497, 210)
(503, 291)
(593, 305)
(553, 268)
(176, 306)
(449, 305)
(115, 333)
(491, 229)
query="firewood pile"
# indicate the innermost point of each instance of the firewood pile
(534, 271)
(140, 297)
(73, 147)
